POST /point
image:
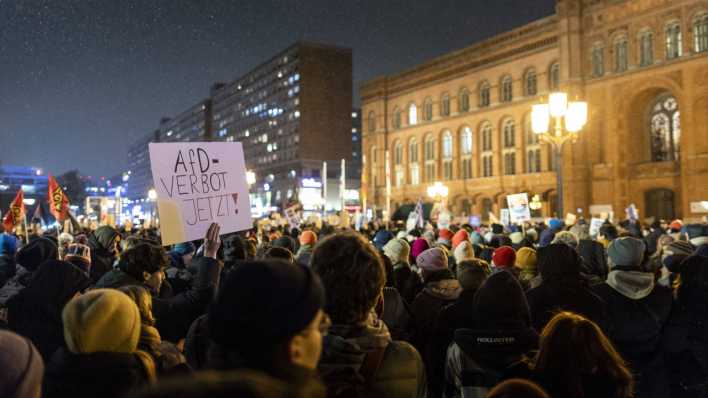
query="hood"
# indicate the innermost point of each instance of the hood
(501, 299)
(631, 284)
(498, 347)
(558, 259)
(103, 237)
(344, 350)
(446, 289)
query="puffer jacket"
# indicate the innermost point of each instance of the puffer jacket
(363, 361)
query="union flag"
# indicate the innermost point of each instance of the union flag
(16, 213)
(58, 201)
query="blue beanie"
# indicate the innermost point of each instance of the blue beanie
(381, 238)
(555, 223)
(8, 245)
(184, 248)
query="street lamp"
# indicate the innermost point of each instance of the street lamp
(570, 118)
(250, 178)
(439, 193)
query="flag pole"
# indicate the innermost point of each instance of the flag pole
(24, 222)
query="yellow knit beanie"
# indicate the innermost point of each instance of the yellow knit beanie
(102, 320)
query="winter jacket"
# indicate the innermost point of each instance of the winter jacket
(15, 284)
(350, 352)
(408, 282)
(396, 315)
(196, 344)
(176, 314)
(637, 312)
(101, 242)
(303, 255)
(685, 343)
(99, 374)
(440, 290)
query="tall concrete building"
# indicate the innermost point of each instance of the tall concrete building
(291, 113)
(464, 118)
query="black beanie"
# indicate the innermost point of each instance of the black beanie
(501, 299)
(497, 229)
(33, 254)
(264, 302)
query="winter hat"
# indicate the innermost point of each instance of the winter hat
(397, 250)
(497, 229)
(8, 245)
(555, 223)
(516, 237)
(463, 252)
(287, 242)
(445, 235)
(558, 259)
(472, 273)
(22, 367)
(36, 252)
(625, 252)
(459, 237)
(504, 257)
(401, 235)
(381, 238)
(184, 248)
(476, 238)
(432, 260)
(243, 315)
(102, 320)
(581, 231)
(79, 255)
(234, 249)
(308, 238)
(106, 236)
(566, 237)
(65, 239)
(676, 225)
(526, 259)
(501, 299)
(419, 246)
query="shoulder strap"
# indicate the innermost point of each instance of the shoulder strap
(371, 365)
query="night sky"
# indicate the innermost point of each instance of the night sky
(81, 79)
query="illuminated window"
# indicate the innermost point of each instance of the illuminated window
(700, 33)
(598, 61)
(486, 155)
(412, 114)
(673, 41)
(429, 157)
(447, 155)
(413, 161)
(665, 129)
(466, 152)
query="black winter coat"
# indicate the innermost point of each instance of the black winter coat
(408, 283)
(594, 258)
(100, 374)
(564, 295)
(685, 343)
(102, 258)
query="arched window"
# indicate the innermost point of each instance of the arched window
(621, 50)
(673, 40)
(429, 157)
(447, 155)
(413, 161)
(464, 101)
(466, 152)
(398, 164)
(412, 114)
(533, 150)
(507, 93)
(487, 154)
(509, 132)
(372, 121)
(484, 89)
(396, 118)
(445, 105)
(700, 33)
(554, 76)
(428, 109)
(665, 129)
(598, 60)
(486, 208)
(646, 48)
(530, 83)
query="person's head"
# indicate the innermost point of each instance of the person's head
(692, 292)
(308, 238)
(445, 236)
(472, 273)
(581, 231)
(432, 261)
(146, 263)
(626, 252)
(558, 260)
(234, 249)
(143, 300)
(64, 240)
(286, 242)
(555, 224)
(504, 257)
(608, 232)
(460, 236)
(419, 246)
(102, 320)
(527, 261)
(463, 252)
(36, 252)
(397, 250)
(573, 347)
(567, 238)
(269, 329)
(107, 237)
(517, 388)
(278, 252)
(674, 253)
(501, 301)
(353, 276)
(22, 367)
(79, 255)
(186, 251)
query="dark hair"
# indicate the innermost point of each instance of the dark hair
(279, 253)
(472, 273)
(517, 388)
(609, 231)
(572, 347)
(143, 257)
(353, 276)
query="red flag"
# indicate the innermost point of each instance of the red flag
(16, 213)
(58, 202)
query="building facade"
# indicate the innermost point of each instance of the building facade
(464, 118)
(291, 113)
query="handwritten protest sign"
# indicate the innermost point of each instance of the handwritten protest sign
(198, 183)
(519, 207)
(595, 224)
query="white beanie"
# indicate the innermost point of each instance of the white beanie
(463, 252)
(516, 237)
(397, 250)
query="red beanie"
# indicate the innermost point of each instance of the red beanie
(308, 238)
(445, 234)
(460, 236)
(504, 256)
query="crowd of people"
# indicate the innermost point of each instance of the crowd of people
(547, 310)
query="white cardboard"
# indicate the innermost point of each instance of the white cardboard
(519, 207)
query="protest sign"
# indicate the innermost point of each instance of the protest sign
(595, 224)
(412, 221)
(570, 219)
(475, 221)
(519, 207)
(198, 183)
(632, 212)
(505, 218)
(444, 219)
(294, 214)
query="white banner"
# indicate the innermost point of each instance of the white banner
(198, 183)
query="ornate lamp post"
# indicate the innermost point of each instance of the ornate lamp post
(568, 119)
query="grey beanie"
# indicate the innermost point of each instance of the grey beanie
(626, 252)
